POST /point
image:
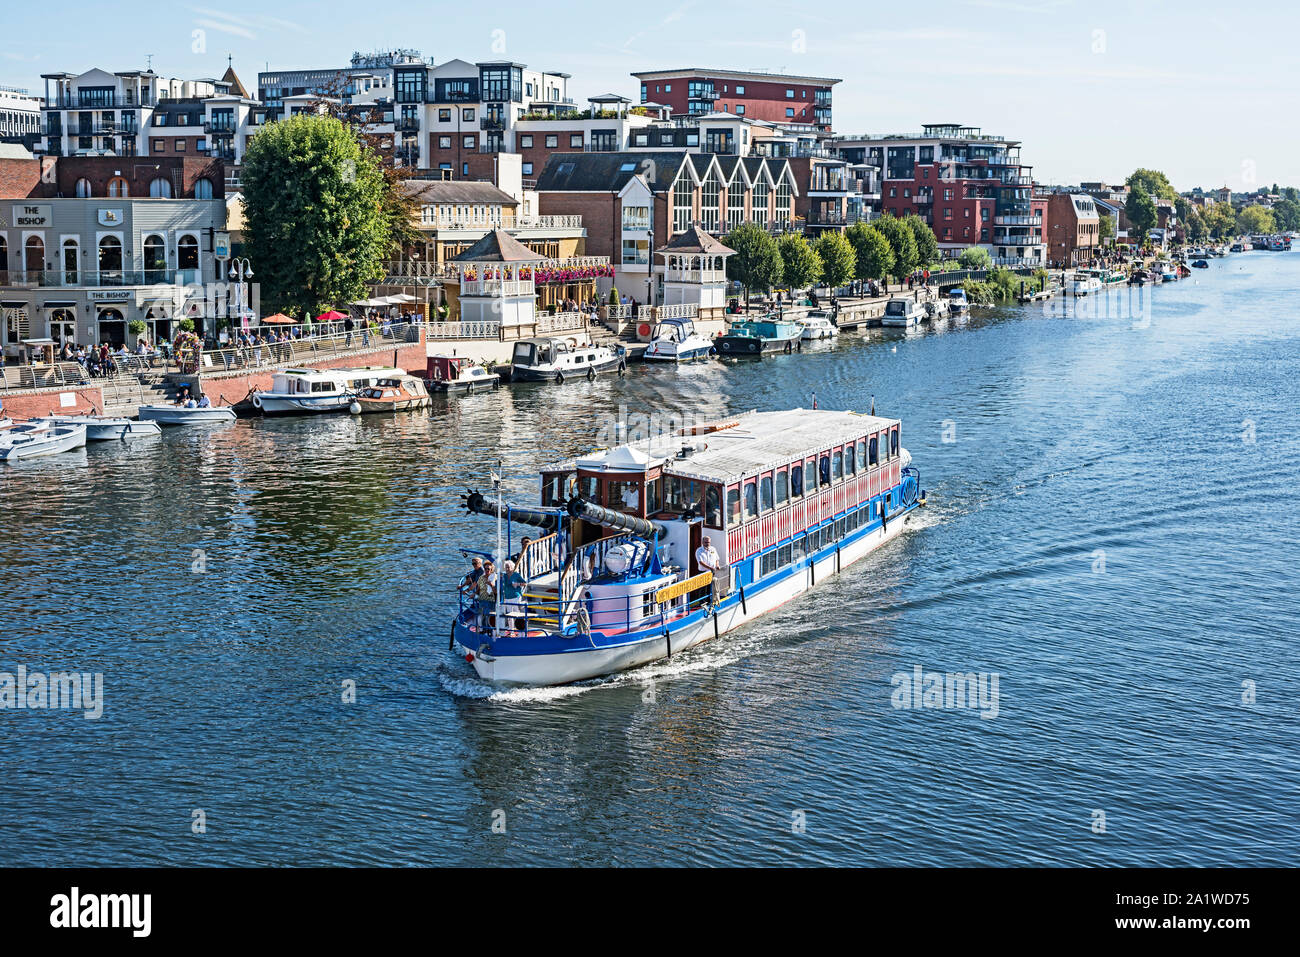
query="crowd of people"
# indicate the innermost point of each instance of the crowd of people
(105, 360)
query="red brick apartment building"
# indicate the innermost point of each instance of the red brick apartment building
(776, 98)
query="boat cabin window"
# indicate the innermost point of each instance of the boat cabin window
(893, 443)
(796, 480)
(837, 464)
(765, 493)
(679, 494)
(782, 487)
(712, 506)
(895, 307)
(652, 497)
(322, 387)
(751, 499)
(849, 461)
(587, 487)
(874, 455)
(624, 496)
(556, 487)
(862, 453)
(824, 472)
(733, 507)
(524, 353)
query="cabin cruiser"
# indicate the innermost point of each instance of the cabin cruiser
(619, 574)
(398, 394)
(755, 337)
(817, 324)
(958, 303)
(1167, 270)
(1085, 282)
(34, 439)
(172, 415)
(902, 313)
(458, 375)
(675, 340)
(317, 391)
(104, 428)
(554, 360)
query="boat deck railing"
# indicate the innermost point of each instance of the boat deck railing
(547, 613)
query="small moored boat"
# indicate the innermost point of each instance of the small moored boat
(902, 313)
(458, 375)
(318, 391)
(106, 428)
(754, 337)
(36, 439)
(675, 340)
(817, 325)
(554, 360)
(958, 302)
(398, 394)
(169, 415)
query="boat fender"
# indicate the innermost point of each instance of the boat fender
(837, 559)
(789, 348)
(743, 609)
(559, 378)
(715, 621)
(668, 640)
(469, 657)
(591, 373)
(622, 367)
(451, 637)
(799, 346)
(257, 401)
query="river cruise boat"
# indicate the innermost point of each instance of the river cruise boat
(554, 360)
(458, 375)
(817, 325)
(902, 313)
(756, 337)
(618, 574)
(318, 391)
(399, 394)
(675, 340)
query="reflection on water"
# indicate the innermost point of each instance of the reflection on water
(1110, 530)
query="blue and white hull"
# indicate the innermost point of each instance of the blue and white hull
(554, 660)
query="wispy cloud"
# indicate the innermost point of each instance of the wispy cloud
(22, 57)
(230, 28)
(235, 25)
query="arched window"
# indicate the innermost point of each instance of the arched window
(83, 188)
(160, 188)
(187, 253)
(155, 259)
(70, 262)
(203, 189)
(117, 188)
(34, 255)
(110, 260)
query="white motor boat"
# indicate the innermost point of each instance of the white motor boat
(817, 325)
(317, 391)
(37, 439)
(167, 415)
(675, 340)
(1086, 282)
(557, 359)
(902, 313)
(105, 428)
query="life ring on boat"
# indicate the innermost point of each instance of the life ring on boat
(559, 378)
(257, 401)
(591, 373)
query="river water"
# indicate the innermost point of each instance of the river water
(1112, 533)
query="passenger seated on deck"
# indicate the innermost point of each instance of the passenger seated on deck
(485, 593)
(204, 402)
(470, 581)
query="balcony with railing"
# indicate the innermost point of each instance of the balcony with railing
(219, 124)
(494, 124)
(1034, 220)
(406, 124)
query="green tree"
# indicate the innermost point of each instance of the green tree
(1287, 214)
(800, 264)
(838, 259)
(871, 251)
(1221, 221)
(1256, 219)
(757, 262)
(1151, 181)
(976, 257)
(1292, 194)
(903, 244)
(927, 246)
(315, 226)
(1141, 212)
(1105, 227)
(1197, 230)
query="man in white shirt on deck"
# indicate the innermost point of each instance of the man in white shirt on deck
(706, 556)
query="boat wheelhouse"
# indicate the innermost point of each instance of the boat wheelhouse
(615, 580)
(902, 313)
(756, 337)
(318, 391)
(554, 360)
(675, 340)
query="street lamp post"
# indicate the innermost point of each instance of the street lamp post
(240, 270)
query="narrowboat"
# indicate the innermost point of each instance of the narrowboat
(646, 549)
(458, 375)
(675, 340)
(402, 393)
(902, 313)
(756, 337)
(554, 360)
(318, 391)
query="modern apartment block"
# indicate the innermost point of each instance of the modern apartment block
(795, 101)
(971, 187)
(368, 76)
(20, 116)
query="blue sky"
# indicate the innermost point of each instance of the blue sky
(1205, 91)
